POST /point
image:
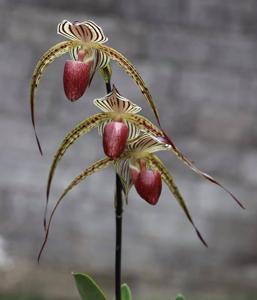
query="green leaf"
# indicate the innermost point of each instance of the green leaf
(87, 287)
(125, 292)
(180, 297)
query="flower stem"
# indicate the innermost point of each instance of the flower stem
(118, 216)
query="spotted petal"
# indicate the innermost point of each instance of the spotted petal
(156, 163)
(78, 131)
(86, 31)
(132, 72)
(45, 60)
(97, 166)
(181, 156)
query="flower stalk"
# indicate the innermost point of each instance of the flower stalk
(118, 223)
(118, 244)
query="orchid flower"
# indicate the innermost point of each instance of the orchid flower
(86, 46)
(119, 110)
(137, 166)
(129, 141)
(116, 110)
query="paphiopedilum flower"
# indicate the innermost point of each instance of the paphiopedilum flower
(137, 164)
(89, 38)
(85, 39)
(115, 108)
(138, 157)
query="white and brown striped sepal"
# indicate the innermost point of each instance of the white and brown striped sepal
(146, 143)
(114, 102)
(86, 31)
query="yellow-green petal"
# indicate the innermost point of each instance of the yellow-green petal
(97, 166)
(156, 163)
(131, 71)
(77, 132)
(53, 53)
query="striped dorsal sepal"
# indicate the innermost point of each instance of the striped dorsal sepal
(86, 31)
(119, 107)
(146, 143)
(114, 102)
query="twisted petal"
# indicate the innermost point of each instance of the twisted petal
(45, 60)
(78, 131)
(131, 70)
(156, 163)
(86, 31)
(97, 166)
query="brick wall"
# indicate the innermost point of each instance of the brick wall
(199, 59)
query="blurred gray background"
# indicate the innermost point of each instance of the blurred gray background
(199, 59)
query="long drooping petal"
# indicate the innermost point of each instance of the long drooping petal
(150, 128)
(157, 164)
(99, 165)
(132, 72)
(80, 130)
(181, 156)
(53, 53)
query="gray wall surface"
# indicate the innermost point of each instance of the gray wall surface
(199, 60)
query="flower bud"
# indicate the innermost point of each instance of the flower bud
(115, 136)
(76, 78)
(148, 184)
